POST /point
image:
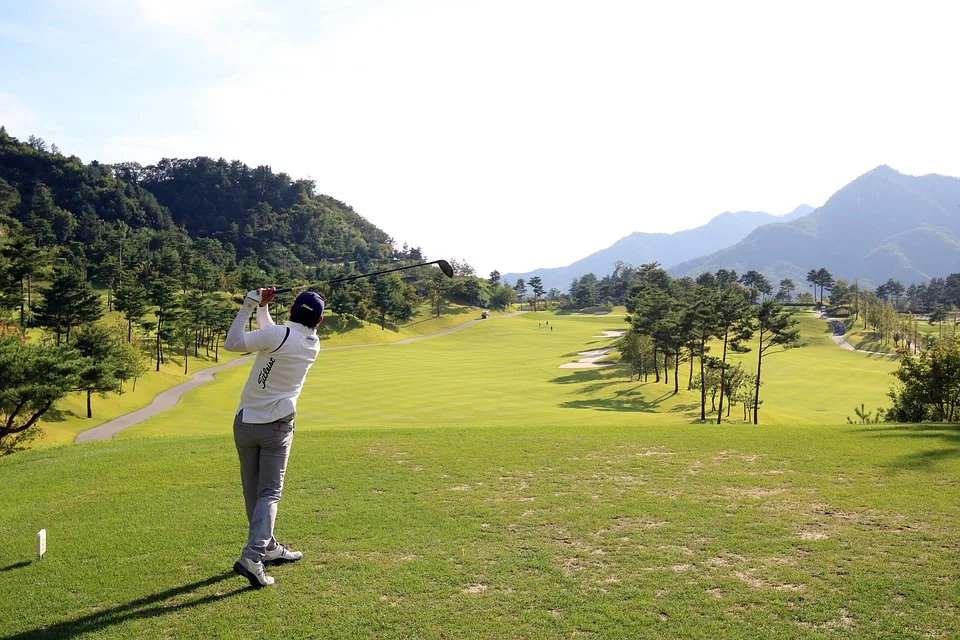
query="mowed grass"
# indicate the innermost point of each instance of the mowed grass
(70, 416)
(681, 531)
(506, 371)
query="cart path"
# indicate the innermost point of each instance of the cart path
(839, 329)
(169, 398)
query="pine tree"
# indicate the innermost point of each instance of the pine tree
(70, 301)
(131, 301)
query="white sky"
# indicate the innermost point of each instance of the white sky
(514, 135)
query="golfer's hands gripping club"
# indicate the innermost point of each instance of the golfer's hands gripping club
(259, 297)
(267, 295)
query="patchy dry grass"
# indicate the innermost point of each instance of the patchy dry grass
(681, 531)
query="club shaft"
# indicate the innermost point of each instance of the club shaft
(359, 276)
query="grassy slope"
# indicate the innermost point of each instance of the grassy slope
(686, 531)
(869, 340)
(505, 371)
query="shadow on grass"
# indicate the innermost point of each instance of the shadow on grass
(626, 400)
(58, 415)
(147, 607)
(584, 375)
(946, 437)
(15, 565)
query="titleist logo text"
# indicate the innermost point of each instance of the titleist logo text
(265, 373)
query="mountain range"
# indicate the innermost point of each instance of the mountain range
(669, 249)
(882, 225)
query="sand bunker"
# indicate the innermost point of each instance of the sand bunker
(612, 333)
(588, 360)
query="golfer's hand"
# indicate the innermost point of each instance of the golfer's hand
(251, 300)
(267, 295)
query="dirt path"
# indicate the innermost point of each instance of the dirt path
(168, 399)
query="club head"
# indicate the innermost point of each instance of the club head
(445, 267)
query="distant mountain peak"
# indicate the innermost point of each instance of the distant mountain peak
(798, 212)
(666, 248)
(882, 171)
(884, 224)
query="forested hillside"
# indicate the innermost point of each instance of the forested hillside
(242, 214)
(107, 271)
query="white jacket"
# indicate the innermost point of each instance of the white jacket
(285, 354)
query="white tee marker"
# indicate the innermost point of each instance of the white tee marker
(41, 542)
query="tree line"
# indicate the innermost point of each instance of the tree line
(673, 321)
(702, 323)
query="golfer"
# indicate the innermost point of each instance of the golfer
(263, 426)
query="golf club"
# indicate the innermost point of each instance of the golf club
(443, 264)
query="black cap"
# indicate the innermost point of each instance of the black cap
(310, 305)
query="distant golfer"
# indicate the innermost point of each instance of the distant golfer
(263, 427)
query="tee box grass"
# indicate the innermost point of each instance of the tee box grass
(682, 531)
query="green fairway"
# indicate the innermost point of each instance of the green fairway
(691, 531)
(506, 371)
(70, 418)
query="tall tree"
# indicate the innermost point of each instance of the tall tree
(824, 280)
(734, 327)
(388, 297)
(785, 293)
(439, 285)
(69, 301)
(163, 294)
(536, 285)
(725, 278)
(583, 291)
(813, 280)
(756, 283)
(703, 329)
(521, 288)
(840, 295)
(24, 259)
(131, 301)
(494, 279)
(778, 332)
(104, 366)
(636, 351)
(648, 307)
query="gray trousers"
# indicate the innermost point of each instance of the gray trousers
(263, 450)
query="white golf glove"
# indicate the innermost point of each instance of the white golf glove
(252, 300)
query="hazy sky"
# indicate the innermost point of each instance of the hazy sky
(511, 134)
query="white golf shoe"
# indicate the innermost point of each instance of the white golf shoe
(252, 571)
(280, 554)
